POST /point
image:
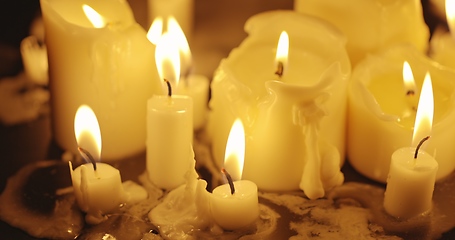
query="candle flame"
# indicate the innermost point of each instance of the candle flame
(450, 16)
(167, 58)
(235, 150)
(93, 16)
(425, 111)
(282, 51)
(408, 79)
(155, 30)
(87, 131)
(174, 28)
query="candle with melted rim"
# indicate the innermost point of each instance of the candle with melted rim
(442, 44)
(107, 65)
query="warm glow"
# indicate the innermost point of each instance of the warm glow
(87, 131)
(235, 151)
(450, 15)
(155, 30)
(174, 28)
(167, 59)
(408, 79)
(425, 110)
(93, 16)
(282, 50)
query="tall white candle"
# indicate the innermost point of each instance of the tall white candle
(412, 172)
(98, 191)
(381, 119)
(108, 67)
(442, 44)
(234, 210)
(169, 123)
(182, 10)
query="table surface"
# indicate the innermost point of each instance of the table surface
(218, 28)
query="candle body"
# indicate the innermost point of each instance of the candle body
(442, 48)
(410, 183)
(181, 10)
(317, 66)
(169, 139)
(197, 88)
(384, 23)
(107, 68)
(99, 191)
(234, 211)
(380, 120)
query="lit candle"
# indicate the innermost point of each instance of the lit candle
(381, 118)
(384, 23)
(192, 85)
(442, 44)
(182, 10)
(271, 111)
(97, 186)
(107, 65)
(34, 58)
(169, 123)
(413, 172)
(235, 205)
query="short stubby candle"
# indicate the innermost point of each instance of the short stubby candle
(235, 205)
(274, 108)
(98, 55)
(381, 115)
(97, 186)
(382, 24)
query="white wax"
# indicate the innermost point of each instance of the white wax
(234, 211)
(182, 10)
(169, 139)
(380, 119)
(410, 183)
(97, 192)
(111, 69)
(196, 87)
(273, 116)
(383, 24)
(442, 48)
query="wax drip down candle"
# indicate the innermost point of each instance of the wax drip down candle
(412, 172)
(381, 118)
(169, 123)
(109, 67)
(235, 205)
(97, 186)
(274, 113)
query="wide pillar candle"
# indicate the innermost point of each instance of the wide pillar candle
(273, 112)
(382, 24)
(380, 119)
(109, 68)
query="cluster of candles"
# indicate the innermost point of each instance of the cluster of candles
(292, 100)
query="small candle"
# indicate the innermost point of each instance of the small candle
(107, 65)
(384, 23)
(169, 123)
(97, 186)
(194, 86)
(381, 118)
(34, 58)
(412, 172)
(442, 44)
(235, 205)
